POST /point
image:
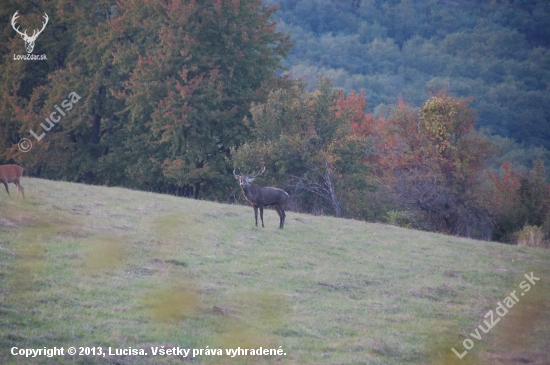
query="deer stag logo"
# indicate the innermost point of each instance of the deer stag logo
(29, 40)
(261, 196)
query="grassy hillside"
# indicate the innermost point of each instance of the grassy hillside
(95, 266)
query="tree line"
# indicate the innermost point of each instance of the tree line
(421, 167)
(173, 95)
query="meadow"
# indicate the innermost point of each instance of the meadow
(92, 266)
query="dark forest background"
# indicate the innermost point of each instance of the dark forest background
(493, 51)
(433, 115)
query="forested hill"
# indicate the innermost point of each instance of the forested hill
(494, 51)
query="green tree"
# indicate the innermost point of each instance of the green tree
(164, 87)
(188, 94)
(20, 80)
(521, 200)
(534, 195)
(313, 144)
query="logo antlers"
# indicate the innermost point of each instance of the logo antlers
(29, 41)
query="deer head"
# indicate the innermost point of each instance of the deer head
(246, 180)
(29, 40)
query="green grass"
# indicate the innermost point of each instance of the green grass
(95, 266)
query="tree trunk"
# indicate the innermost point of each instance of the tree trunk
(96, 123)
(197, 190)
(330, 187)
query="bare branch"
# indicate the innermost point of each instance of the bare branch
(325, 189)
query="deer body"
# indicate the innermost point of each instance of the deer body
(12, 174)
(262, 196)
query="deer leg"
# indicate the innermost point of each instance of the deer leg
(256, 214)
(262, 214)
(19, 188)
(278, 209)
(283, 216)
(6, 185)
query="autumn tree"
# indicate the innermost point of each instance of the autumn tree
(314, 144)
(22, 82)
(189, 92)
(534, 195)
(164, 85)
(509, 217)
(92, 64)
(431, 161)
(522, 199)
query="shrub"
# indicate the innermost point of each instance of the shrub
(531, 236)
(399, 218)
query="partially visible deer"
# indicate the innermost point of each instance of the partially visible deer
(12, 174)
(261, 196)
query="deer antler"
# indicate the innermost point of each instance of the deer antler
(44, 24)
(36, 32)
(240, 173)
(259, 173)
(13, 19)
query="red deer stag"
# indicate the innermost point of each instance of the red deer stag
(261, 196)
(12, 174)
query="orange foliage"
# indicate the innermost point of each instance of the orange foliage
(353, 108)
(430, 159)
(508, 184)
